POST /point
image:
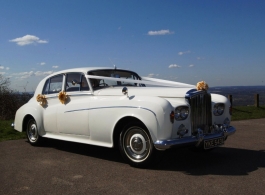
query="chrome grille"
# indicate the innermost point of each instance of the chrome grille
(200, 111)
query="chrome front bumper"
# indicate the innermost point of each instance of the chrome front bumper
(193, 140)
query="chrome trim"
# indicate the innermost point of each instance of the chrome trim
(193, 92)
(69, 93)
(96, 108)
(79, 93)
(200, 111)
(192, 140)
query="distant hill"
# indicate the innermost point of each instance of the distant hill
(242, 95)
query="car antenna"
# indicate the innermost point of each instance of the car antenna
(113, 64)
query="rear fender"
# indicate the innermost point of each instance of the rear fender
(23, 114)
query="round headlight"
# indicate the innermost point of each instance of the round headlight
(218, 109)
(181, 113)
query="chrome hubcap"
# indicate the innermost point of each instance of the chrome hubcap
(136, 144)
(32, 132)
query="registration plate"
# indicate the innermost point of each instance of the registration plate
(211, 143)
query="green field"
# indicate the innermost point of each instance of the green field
(247, 112)
(239, 113)
(8, 133)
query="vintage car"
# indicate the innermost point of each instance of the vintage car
(113, 107)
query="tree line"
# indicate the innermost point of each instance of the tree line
(10, 100)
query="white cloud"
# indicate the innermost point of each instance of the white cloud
(2, 68)
(40, 73)
(152, 75)
(172, 77)
(42, 63)
(183, 52)
(55, 66)
(191, 65)
(27, 40)
(2, 73)
(200, 58)
(160, 32)
(174, 66)
(24, 75)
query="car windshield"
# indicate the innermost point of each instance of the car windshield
(122, 74)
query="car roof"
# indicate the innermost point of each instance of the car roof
(83, 69)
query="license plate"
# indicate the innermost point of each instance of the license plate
(211, 143)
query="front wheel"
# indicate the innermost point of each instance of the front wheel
(136, 145)
(32, 133)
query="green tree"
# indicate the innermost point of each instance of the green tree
(4, 83)
(10, 100)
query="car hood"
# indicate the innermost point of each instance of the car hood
(145, 91)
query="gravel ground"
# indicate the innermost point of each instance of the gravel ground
(60, 167)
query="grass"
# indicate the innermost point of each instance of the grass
(247, 112)
(8, 133)
(239, 113)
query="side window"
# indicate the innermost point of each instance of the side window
(84, 85)
(76, 82)
(99, 83)
(56, 84)
(53, 85)
(46, 87)
(73, 82)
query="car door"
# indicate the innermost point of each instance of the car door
(51, 90)
(72, 117)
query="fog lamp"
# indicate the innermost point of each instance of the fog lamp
(182, 130)
(227, 122)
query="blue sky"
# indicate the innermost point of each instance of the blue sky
(219, 41)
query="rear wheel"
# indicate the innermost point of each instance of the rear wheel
(32, 133)
(136, 145)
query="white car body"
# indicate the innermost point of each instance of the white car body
(97, 116)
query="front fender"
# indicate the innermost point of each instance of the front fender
(105, 113)
(216, 98)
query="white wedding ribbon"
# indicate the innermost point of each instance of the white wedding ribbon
(146, 80)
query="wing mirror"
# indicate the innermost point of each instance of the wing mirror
(125, 90)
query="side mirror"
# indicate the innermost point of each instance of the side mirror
(125, 90)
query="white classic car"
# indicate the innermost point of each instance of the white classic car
(113, 107)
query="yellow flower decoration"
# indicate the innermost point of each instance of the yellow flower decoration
(202, 85)
(63, 97)
(41, 99)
